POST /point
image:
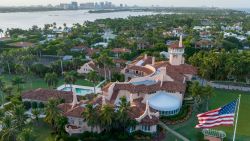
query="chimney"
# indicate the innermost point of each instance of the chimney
(180, 42)
(74, 102)
(131, 100)
(184, 80)
(103, 100)
(153, 61)
(145, 56)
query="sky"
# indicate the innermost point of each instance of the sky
(177, 3)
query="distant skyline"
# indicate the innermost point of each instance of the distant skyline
(167, 3)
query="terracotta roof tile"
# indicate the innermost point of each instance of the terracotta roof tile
(21, 44)
(46, 94)
(121, 50)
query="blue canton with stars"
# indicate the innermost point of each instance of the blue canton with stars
(229, 108)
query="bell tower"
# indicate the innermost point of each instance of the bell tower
(176, 51)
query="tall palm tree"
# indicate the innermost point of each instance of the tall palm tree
(17, 81)
(7, 59)
(93, 77)
(60, 123)
(107, 116)
(60, 53)
(195, 91)
(2, 85)
(207, 93)
(105, 61)
(70, 78)
(51, 79)
(1, 32)
(51, 111)
(19, 116)
(91, 116)
(122, 113)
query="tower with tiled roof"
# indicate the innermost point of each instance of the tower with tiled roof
(176, 51)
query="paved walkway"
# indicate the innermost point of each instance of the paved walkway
(172, 131)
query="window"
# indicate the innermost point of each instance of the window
(80, 122)
(145, 128)
(131, 129)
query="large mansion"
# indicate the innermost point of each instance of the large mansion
(152, 87)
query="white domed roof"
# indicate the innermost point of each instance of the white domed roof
(163, 101)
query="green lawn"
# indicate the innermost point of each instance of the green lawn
(43, 132)
(34, 82)
(220, 98)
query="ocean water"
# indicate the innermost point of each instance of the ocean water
(26, 20)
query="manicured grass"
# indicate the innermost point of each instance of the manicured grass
(33, 82)
(43, 132)
(220, 98)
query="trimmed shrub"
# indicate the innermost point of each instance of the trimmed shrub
(27, 105)
(41, 105)
(34, 105)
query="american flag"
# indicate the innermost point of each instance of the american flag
(220, 116)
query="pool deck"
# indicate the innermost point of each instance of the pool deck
(98, 90)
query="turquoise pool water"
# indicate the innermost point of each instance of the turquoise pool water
(79, 91)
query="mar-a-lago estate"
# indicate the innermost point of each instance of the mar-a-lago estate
(153, 88)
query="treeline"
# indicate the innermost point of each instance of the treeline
(222, 65)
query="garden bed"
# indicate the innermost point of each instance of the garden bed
(183, 116)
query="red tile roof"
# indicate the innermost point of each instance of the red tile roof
(120, 61)
(21, 44)
(45, 94)
(91, 51)
(120, 50)
(175, 45)
(204, 42)
(139, 108)
(186, 69)
(173, 86)
(140, 68)
(67, 110)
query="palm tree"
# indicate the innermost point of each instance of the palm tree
(60, 53)
(16, 81)
(51, 79)
(207, 93)
(52, 112)
(26, 135)
(7, 90)
(19, 116)
(60, 123)
(1, 32)
(2, 85)
(107, 116)
(105, 61)
(7, 59)
(122, 113)
(93, 77)
(36, 112)
(195, 91)
(91, 116)
(70, 78)
(9, 129)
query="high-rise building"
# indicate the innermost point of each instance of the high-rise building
(74, 5)
(89, 5)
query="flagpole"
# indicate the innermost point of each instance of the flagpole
(237, 115)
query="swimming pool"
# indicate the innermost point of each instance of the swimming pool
(79, 91)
